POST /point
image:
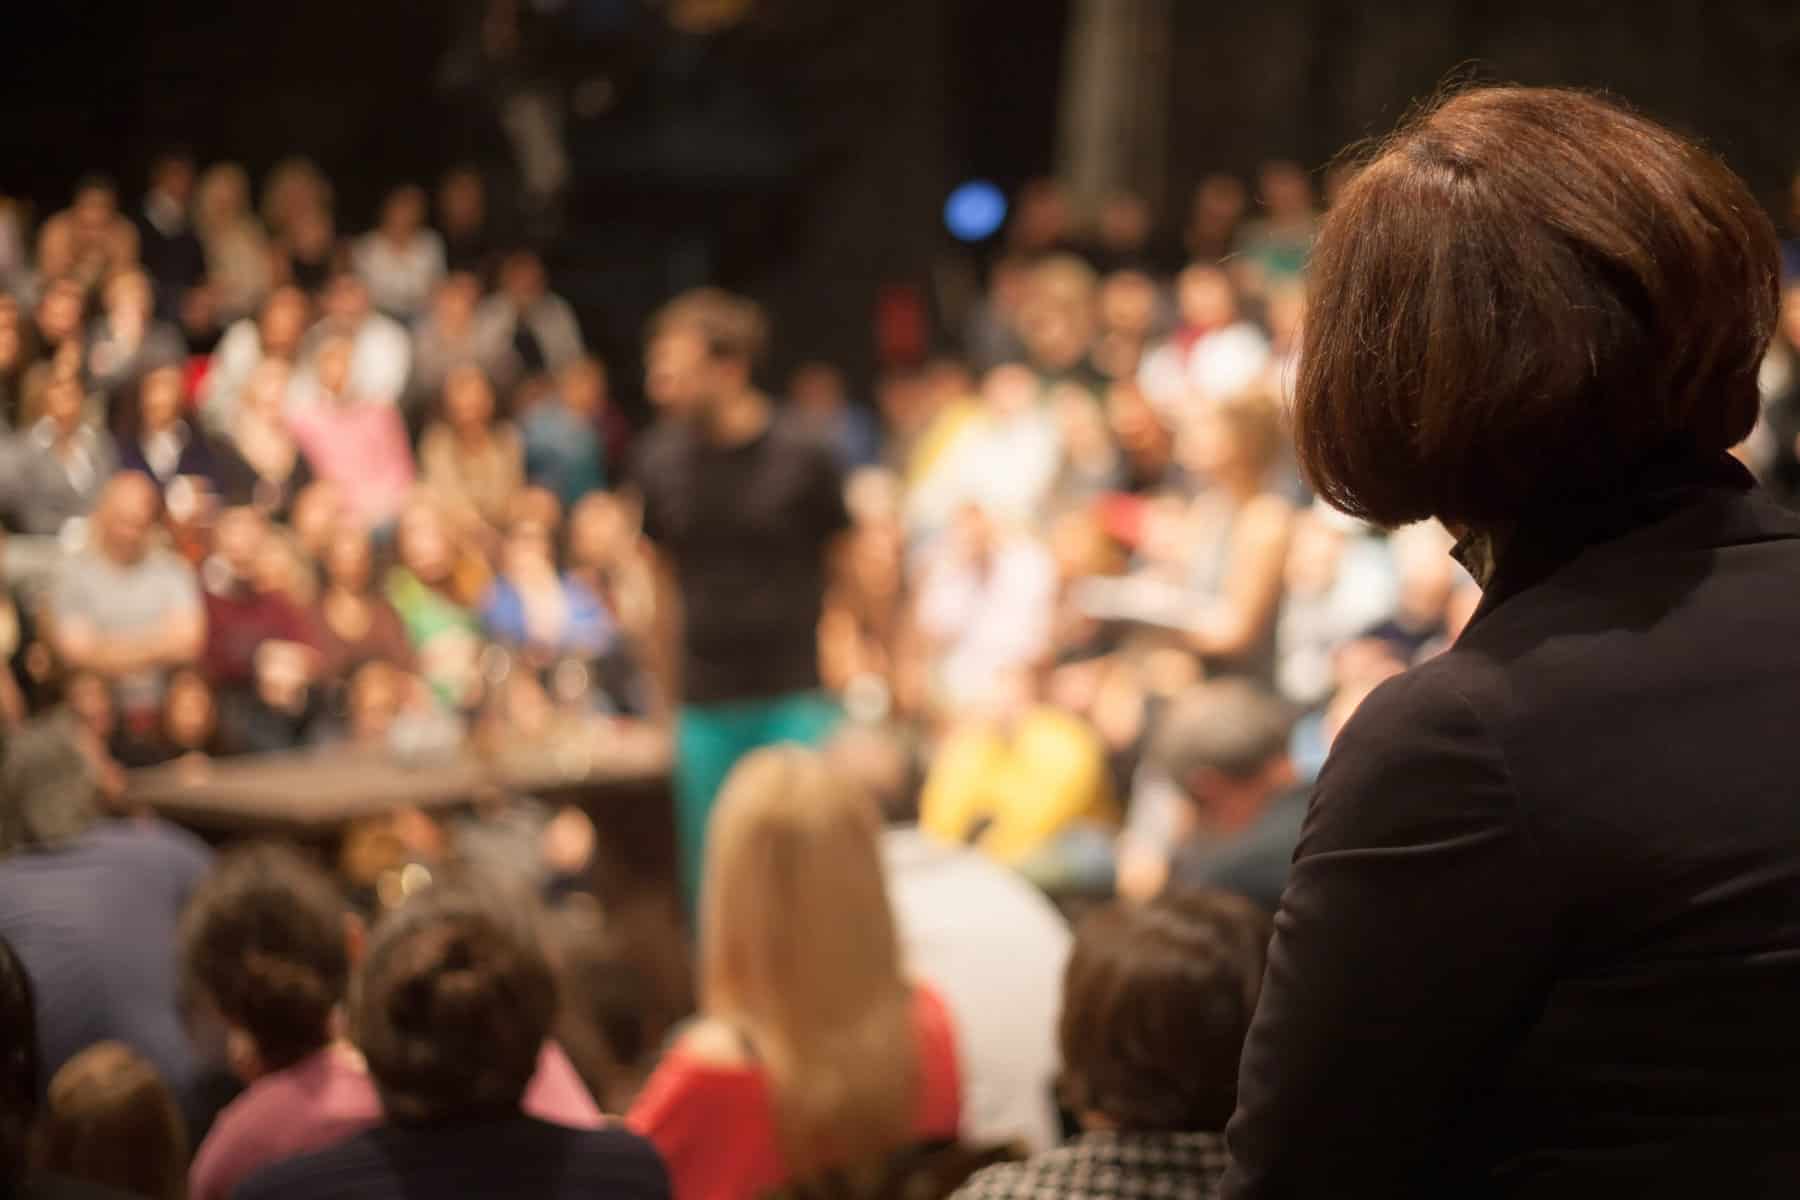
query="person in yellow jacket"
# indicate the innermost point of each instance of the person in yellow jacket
(1016, 781)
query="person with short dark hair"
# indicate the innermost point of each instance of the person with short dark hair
(741, 504)
(1156, 1002)
(167, 244)
(268, 942)
(110, 1119)
(1542, 929)
(451, 1011)
(91, 906)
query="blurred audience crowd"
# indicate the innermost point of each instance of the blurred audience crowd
(269, 484)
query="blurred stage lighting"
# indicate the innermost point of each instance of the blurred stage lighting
(974, 211)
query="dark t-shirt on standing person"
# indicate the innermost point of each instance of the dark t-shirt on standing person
(746, 529)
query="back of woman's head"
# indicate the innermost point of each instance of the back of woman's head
(264, 939)
(1525, 296)
(111, 1120)
(451, 1009)
(800, 953)
(1156, 1005)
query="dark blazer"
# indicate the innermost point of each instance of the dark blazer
(512, 1158)
(1542, 934)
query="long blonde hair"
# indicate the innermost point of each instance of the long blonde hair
(801, 955)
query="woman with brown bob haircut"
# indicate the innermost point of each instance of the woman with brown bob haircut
(1542, 933)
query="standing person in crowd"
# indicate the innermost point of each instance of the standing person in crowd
(91, 906)
(353, 439)
(269, 943)
(127, 609)
(167, 245)
(401, 259)
(451, 1014)
(1543, 924)
(238, 265)
(741, 507)
(524, 318)
(1238, 531)
(1155, 1005)
(812, 1051)
(990, 941)
(21, 1088)
(473, 462)
(111, 1120)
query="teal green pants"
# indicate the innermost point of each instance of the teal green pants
(709, 740)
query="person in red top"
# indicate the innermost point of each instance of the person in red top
(243, 613)
(812, 1050)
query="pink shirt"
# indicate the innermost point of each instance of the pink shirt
(362, 448)
(329, 1096)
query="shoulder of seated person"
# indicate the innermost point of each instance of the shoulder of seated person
(713, 1043)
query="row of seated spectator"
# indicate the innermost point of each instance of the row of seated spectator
(851, 1031)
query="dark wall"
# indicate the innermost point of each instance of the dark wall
(1303, 78)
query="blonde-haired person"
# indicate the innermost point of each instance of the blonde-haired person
(109, 1119)
(812, 1050)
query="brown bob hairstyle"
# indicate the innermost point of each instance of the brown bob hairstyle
(1157, 1002)
(1524, 296)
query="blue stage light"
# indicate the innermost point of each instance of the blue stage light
(974, 211)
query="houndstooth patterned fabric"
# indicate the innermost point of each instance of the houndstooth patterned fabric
(1110, 1166)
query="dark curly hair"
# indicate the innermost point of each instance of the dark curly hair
(263, 937)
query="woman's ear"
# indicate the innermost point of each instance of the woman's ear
(242, 1056)
(356, 939)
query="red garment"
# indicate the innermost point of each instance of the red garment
(238, 621)
(715, 1125)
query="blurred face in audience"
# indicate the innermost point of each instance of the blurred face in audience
(160, 400)
(265, 396)
(1206, 298)
(468, 400)
(1124, 222)
(128, 297)
(94, 209)
(349, 561)
(125, 517)
(63, 403)
(347, 300)
(1286, 191)
(462, 204)
(318, 510)
(599, 530)
(1218, 203)
(453, 306)
(522, 278)
(238, 540)
(425, 547)
(224, 196)
(12, 343)
(333, 368)
(174, 178)
(284, 319)
(404, 213)
(188, 713)
(59, 312)
(529, 551)
(583, 387)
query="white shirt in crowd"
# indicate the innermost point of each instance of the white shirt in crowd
(993, 616)
(400, 277)
(995, 949)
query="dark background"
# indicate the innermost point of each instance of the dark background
(805, 155)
